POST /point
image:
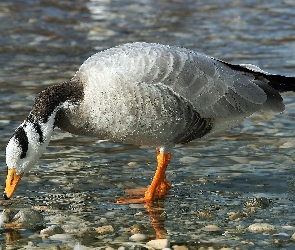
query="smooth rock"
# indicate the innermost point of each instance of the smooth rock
(51, 230)
(137, 237)
(261, 228)
(179, 248)
(281, 236)
(260, 202)
(206, 215)
(293, 237)
(288, 227)
(188, 160)
(238, 215)
(158, 244)
(61, 237)
(28, 218)
(2, 218)
(104, 229)
(132, 164)
(211, 228)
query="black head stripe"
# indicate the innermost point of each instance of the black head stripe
(21, 137)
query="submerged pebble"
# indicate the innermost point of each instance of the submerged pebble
(261, 228)
(211, 228)
(237, 215)
(281, 236)
(104, 229)
(51, 230)
(137, 237)
(260, 202)
(206, 215)
(180, 247)
(132, 164)
(61, 237)
(26, 218)
(2, 219)
(158, 244)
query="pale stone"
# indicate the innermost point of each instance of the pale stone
(211, 228)
(137, 237)
(51, 230)
(104, 229)
(261, 228)
(60, 237)
(158, 244)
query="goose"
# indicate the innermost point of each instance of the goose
(145, 94)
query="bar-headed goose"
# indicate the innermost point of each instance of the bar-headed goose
(147, 94)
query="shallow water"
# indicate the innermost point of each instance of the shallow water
(44, 42)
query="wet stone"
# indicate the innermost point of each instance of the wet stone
(281, 236)
(293, 237)
(132, 164)
(261, 228)
(188, 160)
(137, 237)
(260, 202)
(288, 228)
(61, 237)
(27, 218)
(51, 230)
(158, 244)
(109, 248)
(137, 229)
(104, 229)
(211, 228)
(237, 215)
(179, 248)
(206, 215)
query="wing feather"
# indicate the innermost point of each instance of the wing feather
(214, 88)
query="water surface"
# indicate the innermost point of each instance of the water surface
(44, 42)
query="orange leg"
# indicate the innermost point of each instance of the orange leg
(159, 186)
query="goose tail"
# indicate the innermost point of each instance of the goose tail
(278, 82)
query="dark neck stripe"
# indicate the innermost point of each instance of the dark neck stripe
(36, 126)
(21, 136)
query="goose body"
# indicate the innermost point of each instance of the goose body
(146, 94)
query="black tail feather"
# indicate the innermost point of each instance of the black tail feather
(281, 83)
(278, 82)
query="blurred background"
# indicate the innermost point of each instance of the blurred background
(44, 42)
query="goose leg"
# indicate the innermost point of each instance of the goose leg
(159, 186)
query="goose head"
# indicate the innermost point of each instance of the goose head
(23, 150)
(31, 138)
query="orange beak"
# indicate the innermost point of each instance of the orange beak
(11, 183)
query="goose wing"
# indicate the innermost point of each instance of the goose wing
(214, 88)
